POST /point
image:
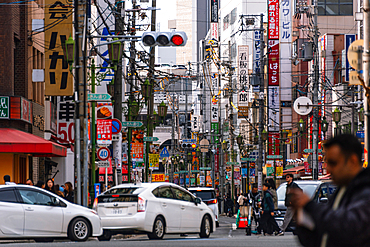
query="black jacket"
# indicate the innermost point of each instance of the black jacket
(267, 202)
(290, 186)
(349, 225)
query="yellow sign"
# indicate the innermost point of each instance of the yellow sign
(58, 19)
(158, 177)
(154, 161)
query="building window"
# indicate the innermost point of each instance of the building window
(233, 16)
(226, 21)
(335, 7)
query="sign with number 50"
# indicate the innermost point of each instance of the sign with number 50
(66, 131)
(65, 113)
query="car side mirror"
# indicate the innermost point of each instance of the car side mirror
(197, 201)
(56, 201)
(323, 200)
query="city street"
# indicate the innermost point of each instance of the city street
(224, 236)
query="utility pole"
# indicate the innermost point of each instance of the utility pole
(150, 126)
(365, 66)
(261, 106)
(231, 133)
(118, 91)
(315, 132)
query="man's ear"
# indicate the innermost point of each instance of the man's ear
(353, 161)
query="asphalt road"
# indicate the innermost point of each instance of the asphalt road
(224, 236)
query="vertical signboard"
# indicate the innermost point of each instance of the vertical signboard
(137, 146)
(274, 104)
(65, 122)
(273, 70)
(214, 11)
(273, 19)
(286, 21)
(195, 123)
(256, 52)
(349, 39)
(58, 19)
(104, 131)
(243, 61)
(274, 144)
(4, 107)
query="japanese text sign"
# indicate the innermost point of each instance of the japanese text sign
(273, 19)
(65, 121)
(273, 70)
(286, 21)
(158, 177)
(4, 107)
(243, 65)
(104, 131)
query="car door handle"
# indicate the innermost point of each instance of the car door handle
(29, 209)
(164, 204)
(183, 207)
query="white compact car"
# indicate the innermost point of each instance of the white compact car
(33, 213)
(208, 196)
(154, 209)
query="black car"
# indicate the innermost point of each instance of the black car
(319, 192)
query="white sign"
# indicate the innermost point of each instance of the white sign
(159, 97)
(214, 30)
(65, 114)
(274, 107)
(195, 123)
(243, 98)
(286, 21)
(103, 164)
(274, 97)
(274, 119)
(243, 66)
(214, 113)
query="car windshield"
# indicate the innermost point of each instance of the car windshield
(204, 194)
(129, 191)
(309, 189)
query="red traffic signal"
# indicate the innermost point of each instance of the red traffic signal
(177, 38)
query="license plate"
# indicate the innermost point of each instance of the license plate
(117, 211)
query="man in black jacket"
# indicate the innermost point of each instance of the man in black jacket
(288, 204)
(267, 210)
(345, 219)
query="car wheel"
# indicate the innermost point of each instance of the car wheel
(79, 230)
(217, 224)
(158, 229)
(44, 240)
(107, 235)
(205, 229)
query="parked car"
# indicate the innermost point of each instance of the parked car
(319, 192)
(32, 213)
(208, 196)
(154, 209)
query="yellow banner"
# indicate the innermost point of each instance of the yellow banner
(154, 161)
(58, 28)
(158, 177)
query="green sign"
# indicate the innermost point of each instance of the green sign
(181, 172)
(274, 157)
(151, 139)
(308, 150)
(98, 97)
(4, 107)
(232, 163)
(248, 159)
(215, 128)
(194, 170)
(205, 168)
(132, 124)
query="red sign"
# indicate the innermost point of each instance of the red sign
(124, 178)
(124, 169)
(273, 71)
(216, 162)
(158, 177)
(273, 142)
(26, 110)
(102, 180)
(104, 131)
(103, 153)
(307, 169)
(273, 25)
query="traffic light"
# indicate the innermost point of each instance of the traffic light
(189, 143)
(176, 38)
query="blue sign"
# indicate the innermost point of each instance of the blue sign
(164, 153)
(244, 172)
(360, 134)
(97, 189)
(349, 39)
(116, 126)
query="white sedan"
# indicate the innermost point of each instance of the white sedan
(33, 213)
(154, 209)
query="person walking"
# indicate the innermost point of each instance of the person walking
(29, 182)
(50, 185)
(229, 206)
(267, 210)
(7, 180)
(40, 184)
(289, 213)
(239, 202)
(255, 196)
(344, 220)
(272, 190)
(68, 192)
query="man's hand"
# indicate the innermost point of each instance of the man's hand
(272, 213)
(262, 212)
(298, 198)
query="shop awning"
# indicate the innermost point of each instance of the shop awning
(16, 141)
(294, 170)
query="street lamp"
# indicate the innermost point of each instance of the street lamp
(264, 135)
(146, 89)
(114, 51)
(324, 125)
(224, 146)
(284, 135)
(336, 117)
(301, 125)
(162, 110)
(69, 51)
(133, 108)
(239, 140)
(255, 139)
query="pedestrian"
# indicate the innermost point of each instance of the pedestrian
(29, 182)
(267, 210)
(57, 190)
(289, 213)
(272, 190)
(344, 220)
(239, 202)
(68, 192)
(7, 180)
(229, 206)
(40, 184)
(255, 196)
(50, 185)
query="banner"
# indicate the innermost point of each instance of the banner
(154, 161)
(158, 177)
(279, 169)
(273, 69)
(137, 145)
(269, 169)
(58, 19)
(273, 19)
(243, 66)
(104, 131)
